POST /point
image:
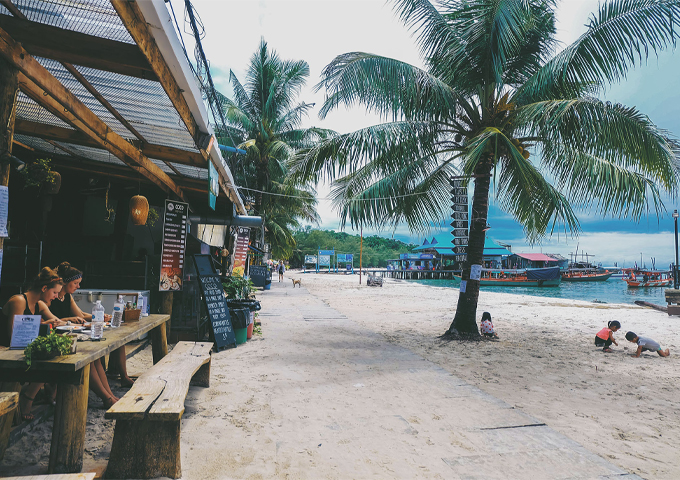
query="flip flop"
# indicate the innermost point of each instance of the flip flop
(608, 350)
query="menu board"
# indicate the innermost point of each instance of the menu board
(4, 208)
(215, 304)
(174, 245)
(241, 250)
(25, 329)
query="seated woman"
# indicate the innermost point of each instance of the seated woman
(64, 308)
(41, 291)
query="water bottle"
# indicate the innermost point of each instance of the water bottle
(97, 331)
(141, 304)
(117, 317)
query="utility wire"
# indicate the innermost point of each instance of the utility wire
(329, 198)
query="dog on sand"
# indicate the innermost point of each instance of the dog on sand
(297, 281)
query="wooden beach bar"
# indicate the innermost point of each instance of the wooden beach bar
(99, 97)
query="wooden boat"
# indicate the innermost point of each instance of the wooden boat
(585, 275)
(636, 278)
(530, 277)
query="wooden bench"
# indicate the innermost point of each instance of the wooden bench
(146, 439)
(9, 401)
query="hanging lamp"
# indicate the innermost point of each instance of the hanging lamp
(139, 209)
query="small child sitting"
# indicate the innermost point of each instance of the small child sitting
(487, 327)
(645, 343)
(605, 337)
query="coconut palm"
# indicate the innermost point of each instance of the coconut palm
(265, 118)
(497, 100)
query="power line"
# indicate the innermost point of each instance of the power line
(328, 198)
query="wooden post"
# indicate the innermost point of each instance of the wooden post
(166, 307)
(159, 343)
(9, 88)
(361, 252)
(68, 433)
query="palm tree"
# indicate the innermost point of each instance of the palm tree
(497, 100)
(265, 118)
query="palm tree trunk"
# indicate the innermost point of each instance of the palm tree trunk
(465, 321)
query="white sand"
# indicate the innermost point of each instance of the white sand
(620, 407)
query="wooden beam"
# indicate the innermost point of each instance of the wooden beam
(61, 134)
(90, 88)
(134, 21)
(87, 122)
(77, 48)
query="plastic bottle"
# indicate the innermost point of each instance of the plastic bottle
(97, 331)
(141, 304)
(117, 317)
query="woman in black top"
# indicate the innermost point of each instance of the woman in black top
(65, 308)
(42, 290)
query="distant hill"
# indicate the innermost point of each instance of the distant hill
(377, 250)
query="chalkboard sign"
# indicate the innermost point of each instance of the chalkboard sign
(215, 303)
(259, 274)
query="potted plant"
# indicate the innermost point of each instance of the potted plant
(40, 174)
(47, 347)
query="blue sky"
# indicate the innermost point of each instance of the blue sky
(318, 30)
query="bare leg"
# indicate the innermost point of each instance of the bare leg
(118, 364)
(101, 389)
(664, 353)
(26, 400)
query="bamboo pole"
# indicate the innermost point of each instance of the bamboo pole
(361, 252)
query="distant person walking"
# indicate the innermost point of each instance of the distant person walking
(281, 268)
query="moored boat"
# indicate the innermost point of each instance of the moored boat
(530, 277)
(586, 275)
(636, 278)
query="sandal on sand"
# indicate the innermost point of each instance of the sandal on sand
(608, 350)
(26, 417)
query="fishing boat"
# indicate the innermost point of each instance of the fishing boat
(586, 275)
(636, 278)
(529, 277)
(584, 270)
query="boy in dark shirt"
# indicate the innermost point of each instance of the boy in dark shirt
(645, 343)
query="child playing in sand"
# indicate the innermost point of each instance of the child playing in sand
(605, 337)
(486, 326)
(645, 343)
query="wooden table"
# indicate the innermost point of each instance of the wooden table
(72, 375)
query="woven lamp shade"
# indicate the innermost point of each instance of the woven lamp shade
(139, 209)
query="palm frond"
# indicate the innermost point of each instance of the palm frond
(388, 87)
(621, 36)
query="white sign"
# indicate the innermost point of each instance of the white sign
(4, 208)
(463, 286)
(25, 329)
(475, 272)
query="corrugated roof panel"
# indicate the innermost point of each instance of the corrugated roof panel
(161, 164)
(39, 144)
(92, 17)
(77, 89)
(193, 172)
(96, 154)
(27, 109)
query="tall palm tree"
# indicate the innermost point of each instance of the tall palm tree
(265, 118)
(498, 100)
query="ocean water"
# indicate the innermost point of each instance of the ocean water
(614, 290)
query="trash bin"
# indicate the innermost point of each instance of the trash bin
(251, 305)
(240, 317)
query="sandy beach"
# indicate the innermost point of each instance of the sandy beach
(623, 408)
(265, 417)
